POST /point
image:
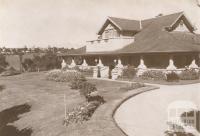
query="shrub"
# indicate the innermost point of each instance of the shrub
(3, 62)
(97, 98)
(153, 75)
(81, 113)
(172, 76)
(64, 76)
(189, 74)
(87, 88)
(129, 72)
(132, 86)
(86, 72)
(77, 83)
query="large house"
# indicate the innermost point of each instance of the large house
(164, 42)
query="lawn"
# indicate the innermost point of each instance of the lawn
(47, 105)
(45, 99)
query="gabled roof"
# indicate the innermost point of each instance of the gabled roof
(126, 24)
(165, 20)
(153, 37)
(121, 24)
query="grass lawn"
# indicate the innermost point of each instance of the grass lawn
(47, 105)
(45, 99)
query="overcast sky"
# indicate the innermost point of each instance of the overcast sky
(72, 22)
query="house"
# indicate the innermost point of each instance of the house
(164, 42)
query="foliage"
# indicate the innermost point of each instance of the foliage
(49, 61)
(64, 76)
(28, 64)
(189, 74)
(129, 72)
(46, 62)
(96, 98)
(3, 63)
(132, 86)
(87, 88)
(77, 83)
(87, 72)
(81, 113)
(153, 75)
(172, 76)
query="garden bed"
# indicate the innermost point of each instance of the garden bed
(114, 95)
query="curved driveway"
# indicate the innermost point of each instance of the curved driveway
(146, 113)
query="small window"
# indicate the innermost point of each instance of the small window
(181, 23)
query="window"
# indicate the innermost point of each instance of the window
(181, 23)
(110, 33)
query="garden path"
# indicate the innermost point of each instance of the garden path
(146, 113)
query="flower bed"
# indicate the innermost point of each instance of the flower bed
(189, 74)
(64, 76)
(85, 111)
(81, 113)
(153, 75)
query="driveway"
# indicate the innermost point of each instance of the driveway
(146, 114)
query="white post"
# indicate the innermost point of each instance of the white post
(193, 64)
(171, 65)
(63, 64)
(73, 64)
(141, 68)
(84, 65)
(100, 64)
(142, 65)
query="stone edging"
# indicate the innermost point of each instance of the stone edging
(104, 116)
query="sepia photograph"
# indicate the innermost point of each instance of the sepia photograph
(99, 67)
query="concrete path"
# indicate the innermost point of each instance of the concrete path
(146, 114)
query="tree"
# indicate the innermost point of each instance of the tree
(38, 63)
(3, 63)
(28, 64)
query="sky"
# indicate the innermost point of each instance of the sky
(70, 23)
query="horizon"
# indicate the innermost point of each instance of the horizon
(60, 24)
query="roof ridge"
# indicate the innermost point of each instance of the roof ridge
(123, 18)
(163, 16)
